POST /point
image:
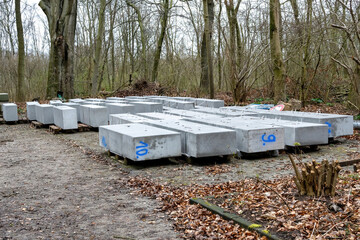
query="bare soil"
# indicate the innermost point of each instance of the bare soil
(66, 187)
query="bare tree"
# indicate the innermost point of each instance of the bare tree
(20, 93)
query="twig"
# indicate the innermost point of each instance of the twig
(313, 231)
(275, 192)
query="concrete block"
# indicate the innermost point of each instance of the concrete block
(116, 101)
(200, 140)
(65, 117)
(141, 107)
(179, 104)
(55, 102)
(10, 113)
(186, 99)
(94, 100)
(4, 97)
(250, 137)
(117, 108)
(212, 103)
(191, 114)
(136, 97)
(159, 116)
(125, 118)
(98, 103)
(45, 113)
(31, 111)
(140, 142)
(94, 115)
(116, 98)
(73, 105)
(224, 112)
(338, 125)
(77, 101)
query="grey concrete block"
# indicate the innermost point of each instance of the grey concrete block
(224, 112)
(179, 104)
(125, 118)
(4, 97)
(31, 111)
(338, 125)
(116, 98)
(45, 113)
(77, 101)
(94, 115)
(212, 103)
(55, 102)
(250, 137)
(141, 107)
(116, 101)
(98, 103)
(117, 108)
(74, 105)
(159, 116)
(199, 140)
(10, 113)
(140, 142)
(136, 97)
(65, 117)
(186, 99)
(191, 114)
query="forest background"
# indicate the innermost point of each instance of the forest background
(269, 50)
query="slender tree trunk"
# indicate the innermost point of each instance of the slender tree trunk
(20, 93)
(276, 55)
(219, 47)
(164, 21)
(99, 39)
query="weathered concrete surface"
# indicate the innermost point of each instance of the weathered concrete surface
(31, 111)
(159, 116)
(55, 102)
(200, 140)
(10, 113)
(212, 103)
(74, 105)
(141, 107)
(117, 108)
(45, 113)
(140, 142)
(65, 117)
(225, 112)
(125, 118)
(95, 115)
(191, 114)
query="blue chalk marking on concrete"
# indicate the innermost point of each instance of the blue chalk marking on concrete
(103, 141)
(143, 149)
(271, 138)
(329, 124)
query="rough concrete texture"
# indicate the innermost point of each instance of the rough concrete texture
(94, 115)
(140, 142)
(250, 137)
(141, 107)
(159, 116)
(45, 113)
(117, 108)
(200, 140)
(65, 117)
(74, 105)
(178, 104)
(10, 113)
(31, 111)
(212, 103)
(224, 112)
(190, 114)
(125, 118)
(77, 100)
(55, 102)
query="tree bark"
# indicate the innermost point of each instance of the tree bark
(276, 54)
(20, 93)
(99, 39)
(164, 22)
(61, 16)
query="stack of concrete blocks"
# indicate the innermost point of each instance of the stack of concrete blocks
(159, 116)
(338, 125)
(45, 113)
(94, 115)
(212, 103)
(4, 98)
(141, 107)
(76, 106)
(10, 113)
(139, 142)
(55, 102)
(65, 117)
(250, 137)
(31, 110)
(117, 108)
(199, 140)
(136, 98)
(125, 118)
(296, 133)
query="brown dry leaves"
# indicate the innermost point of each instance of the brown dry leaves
(307, 217)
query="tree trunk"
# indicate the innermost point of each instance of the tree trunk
(61, 16)
(164, 21)
(99, 39)
(20, 93)
(276, 55)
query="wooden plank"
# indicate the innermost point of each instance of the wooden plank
(349, 162)
(234, 217)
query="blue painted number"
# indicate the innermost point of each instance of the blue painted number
(271, 138)
(142, 149)
(329, 124)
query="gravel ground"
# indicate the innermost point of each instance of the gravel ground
(52, 188)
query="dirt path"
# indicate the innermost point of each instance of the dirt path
(52, 190)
